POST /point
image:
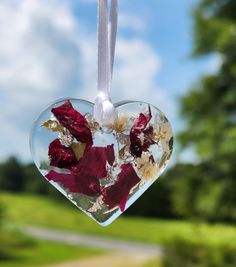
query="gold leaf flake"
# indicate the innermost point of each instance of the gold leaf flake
(78, 149)
(93, 125)
(122, 152)
(53, 126)
(164, 158)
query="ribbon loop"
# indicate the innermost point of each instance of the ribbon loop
(104, 111)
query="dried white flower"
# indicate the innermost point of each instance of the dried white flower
(147, 168)
(149, 171)
(121, 123)
(163, 135)
(144, 159)
(66, 138)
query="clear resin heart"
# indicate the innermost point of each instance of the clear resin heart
(101, 170)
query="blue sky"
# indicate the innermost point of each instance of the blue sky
(167, 27)
(48, 51)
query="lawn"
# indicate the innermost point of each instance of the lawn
(40, 211)
(17, 250)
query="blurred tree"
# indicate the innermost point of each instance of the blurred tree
(184, 184)
(1, 214)
(210, 110)
(156, 202)
(33, 180)
(11, 175)
(35, 183)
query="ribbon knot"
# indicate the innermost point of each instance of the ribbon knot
(104, 110)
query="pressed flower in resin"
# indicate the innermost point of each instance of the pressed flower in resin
(101, 176)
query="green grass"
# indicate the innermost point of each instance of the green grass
(18, 250)
(40, 211)
(153, 263)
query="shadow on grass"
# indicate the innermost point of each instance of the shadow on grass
(11, 243)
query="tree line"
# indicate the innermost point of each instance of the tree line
(185, 191)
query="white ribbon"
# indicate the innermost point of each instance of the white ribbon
(104, 111)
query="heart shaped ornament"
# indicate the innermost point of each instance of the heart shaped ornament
(102, 170)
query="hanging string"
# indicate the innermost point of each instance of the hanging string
(104, 111)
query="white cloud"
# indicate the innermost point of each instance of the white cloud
(137, 67)
(39, 61)
(44, 55)
(125, 20)
(135, 74)
(132, 22)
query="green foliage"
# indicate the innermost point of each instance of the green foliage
(184, 186)
(189, 254)
(1, 214)
(210, 113)
(153, 263)
(13, 241)
(11, 175)
(22, 251)
(18, 177)
(51, 214)
(33, 180)
(201, 192)
(214, 27)
(190, 244)
(156, 202)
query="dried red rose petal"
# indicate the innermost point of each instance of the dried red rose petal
(75, 122)
(95, 161)
(83, 183)
(61, 156)
(148, 137)
(137, 146)
(118, 193)
(110, 154)
(85, 173)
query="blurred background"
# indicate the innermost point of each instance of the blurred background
(178, 55)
